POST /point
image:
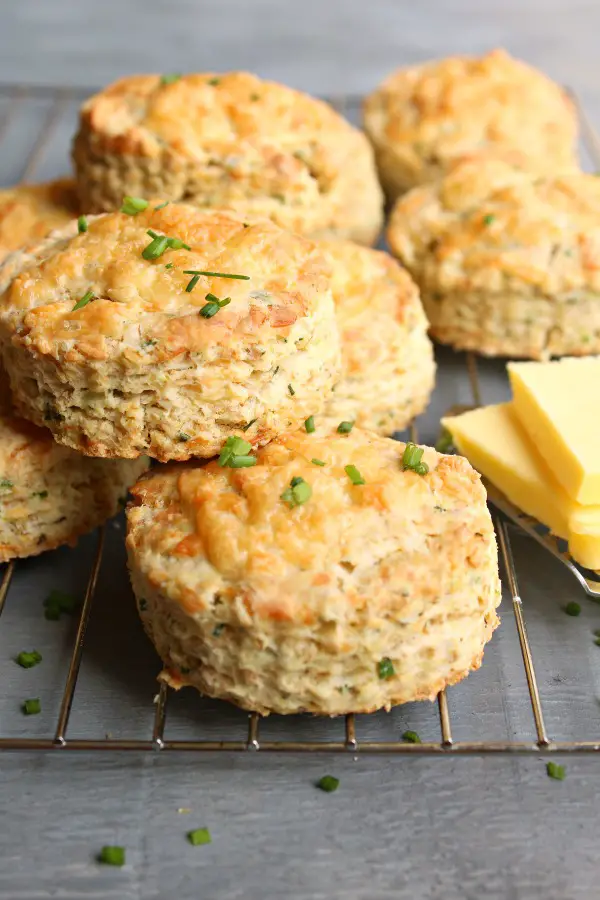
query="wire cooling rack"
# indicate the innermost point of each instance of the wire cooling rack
(29, 151)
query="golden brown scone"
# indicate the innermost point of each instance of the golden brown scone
(361, 597)
(232, 141)
(29, 211)
(139, 369)
(50, 495)
(424, 119)
(507, 261)
(388, 369)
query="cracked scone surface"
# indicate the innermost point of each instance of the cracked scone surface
(506, 260)
(229, 141)
(138, 370)
(287, 610)
(424, 119)
(388, 369)
(29, 212)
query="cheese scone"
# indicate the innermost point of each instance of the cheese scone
(229, 141)
(424, 119)
(30, 211)
(388, 369)
(344, 572)
(115, 341)
(506, 260)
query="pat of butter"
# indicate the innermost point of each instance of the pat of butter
(494, 442)
(558, 405)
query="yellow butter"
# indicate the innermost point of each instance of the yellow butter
(558, 404)
(494, 442)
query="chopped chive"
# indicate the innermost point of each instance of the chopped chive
(169, 266)
(41, 494)
(27, 660)
(170, 78)
(215, 274)
(421, 468)
(234, 449)
(249, 425)
(556, 771)
(291, 390)
(112, 856)
(87, 298)
(32, 707)
(328, 783)
(214, 81)
(6, 483)
(209, 310)
(354, 475)
(183, 437)
(82, 224)
(161, 205)
(254, 97)
(345, 427)
(297, 493)
(131, 206)
(487, 220)
(309, 424)
(58, 602)
(317, 462)
(199, 836)
(242, 462)
(573, 608)
(155, 248)
(385, 668)
(444, 443)
(412, 459)
(192, 283)
(177, 244)
(411, 737)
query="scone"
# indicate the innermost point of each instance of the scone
(163, 333)
(50, 495)
(424, 119)
(29, 211)
(507, 261)
(342, 573)
(388, 368)
(232, 141)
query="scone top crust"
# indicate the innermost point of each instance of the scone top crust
(29, 211)
(207, 534)
(141, 313)
(488, 227)
(434, 114)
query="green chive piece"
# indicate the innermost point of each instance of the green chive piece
(215, 274)
(169, 266)
(572, 608)
(131, 206)
(6, 483)
(444, 443)
(412, 459)
(155, 248)
(317, 462)
(291, 390)
(87, 298)
(421, 468)
(214, 81)
(177, 244)
(199, 836)
(309, 424)
(328, 783)
(112, 856)
(41, 494)
(385, 668)
(183, 437)
(556, 771)
(82, 224)
(192, 283)
(345, 427)
(297, 493)
(249, 425)
(170, 79)
(242, 462)
(411, 737)
(58, 602)
(354, 475)
(161, 205)
(233, 446)
(32, 707)
(209, 310)
(27, 660)
(487, 220)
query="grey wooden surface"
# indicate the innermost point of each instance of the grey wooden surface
(398, 827)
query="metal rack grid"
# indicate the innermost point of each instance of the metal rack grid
(59, 99)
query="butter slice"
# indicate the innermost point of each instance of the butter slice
(558, 404)
(494, 442)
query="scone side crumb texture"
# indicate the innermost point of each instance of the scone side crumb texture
(506, 260)
(137, 370)
(29, 212)
(229, 141)
(281, 609)
(425, 119)
(388, 368)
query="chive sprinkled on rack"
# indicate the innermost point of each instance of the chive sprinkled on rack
(297, 493)
(215, 274)
(345, 427)
(27, 659)
(161, 205)
(199, 836)
(412, 459)
(131, 206)
(309, 425)
(213, 306)
(385, 668)
(411, 737)
(82, 224)
(170, 78)
(87, 298)
(487, 220)
(444, 443)
(112, 856)
(556, 771)
(32, 706)
(235, 453)
(57, 603)
(317, 462)
(354, 475)
(328, 783)
(573, 608)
